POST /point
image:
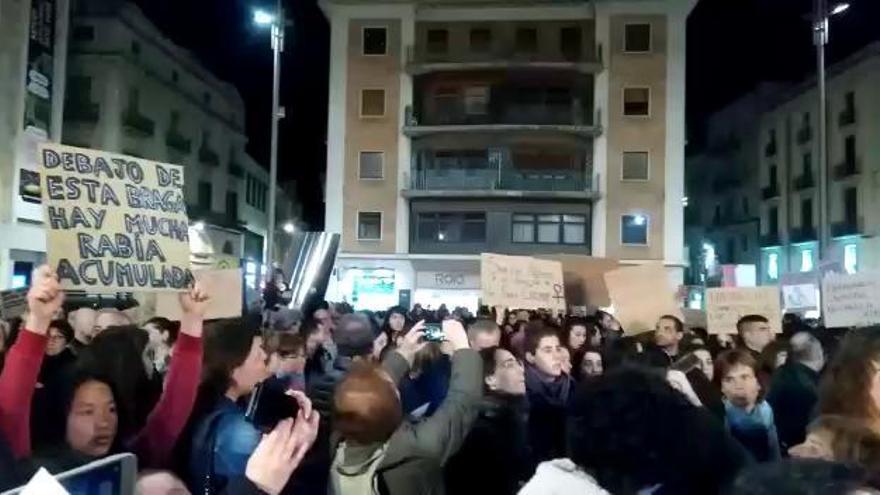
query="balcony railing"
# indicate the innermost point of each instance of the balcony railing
(455, 113)
(769, 240)
(846, 169)
(419, 60)
(847, 117)
(803, 182)
(137, 124)
(770, 192)
(804, 135)
(488, 178)
(209, 156)
(851, 226)
(176, 141)
(81, 111)
(803, 234)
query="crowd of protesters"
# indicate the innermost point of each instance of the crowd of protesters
(432, 401)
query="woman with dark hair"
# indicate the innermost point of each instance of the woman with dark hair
(587, 363)
(91, 420)
(234, 363)
(163, 333)
(608, 325)
(47, 419)
(578, 332)
(396, 321)
(849, 391)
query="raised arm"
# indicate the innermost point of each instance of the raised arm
(154, 443)
(398, 362)
(19, 376)
(442, 434)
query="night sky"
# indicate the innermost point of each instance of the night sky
(732, 46)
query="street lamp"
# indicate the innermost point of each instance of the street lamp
(276, 23)
(820, 39)
(289, 227)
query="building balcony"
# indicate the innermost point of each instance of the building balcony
(804, 135)
(804, 181)
(770, 240)
(137, 124)
(236, 170)
(209, 156)
(802, 234)
(177, 142)
(770, 192)
(852, 226)
(845, 169)
(420, 61)
(557, 119)
(452, 181)
(81, 111)
(846, 117)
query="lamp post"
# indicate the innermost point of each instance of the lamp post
(276, 23)
(820, 39)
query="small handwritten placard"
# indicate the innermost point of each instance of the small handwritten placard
(521, 282)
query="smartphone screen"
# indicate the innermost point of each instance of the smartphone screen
(434, 332)
(268, 405)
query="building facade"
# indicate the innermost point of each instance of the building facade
(519, 128)
(33, 56)
(778, 159)
(133, 91)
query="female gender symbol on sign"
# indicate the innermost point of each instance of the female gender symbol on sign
(558, 292)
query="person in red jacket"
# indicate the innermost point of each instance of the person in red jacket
(91, 425)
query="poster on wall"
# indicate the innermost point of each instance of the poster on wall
(114, 223)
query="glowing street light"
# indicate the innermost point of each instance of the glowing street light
(289, 227)
(263, 18)
(842, 6)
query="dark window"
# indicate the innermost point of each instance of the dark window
(745, 202)
(634, 229)
(773, 220)
(807, 213)
(526, 40)
(481, 40)
(849, 149)
(369, 226)
(849, 102)
(375, 41)
(807, 164)
(806, 120)
(636, 101)
(135, 48)
(205, 195)
(372, 102)
(371, 165)
(438, 41)
(773, 176)
(637, 38)
(744, 239)
(851, 205)
(452, 227)
(716, 218)
(570, 42)
(79, 89)
(731, 250)
(83, 32)
(232, 205)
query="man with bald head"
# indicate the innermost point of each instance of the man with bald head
(793, 392)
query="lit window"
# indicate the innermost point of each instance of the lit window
(773, 266)
(634, 230)
(851, 258)
(807, 260)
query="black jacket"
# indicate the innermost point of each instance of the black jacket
(495, 457)
(793, 393)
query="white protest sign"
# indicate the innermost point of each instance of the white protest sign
(851, 300)
(521, 282)
(800, 296)
(725, 306)
(640, 295)
(114, 223)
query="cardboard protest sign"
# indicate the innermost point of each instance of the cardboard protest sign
(583, 279)
(225, 291)
(851, 300)
(13, 303)
(114, 223)
(800, 297)
(640, 295)
(521, 282)
(725, 306)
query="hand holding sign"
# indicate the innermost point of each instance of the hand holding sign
(44, 300)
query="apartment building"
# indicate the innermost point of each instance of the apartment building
(131, 90)
(774, 167)
(33, 55)
(789, 176)
(513, 127)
